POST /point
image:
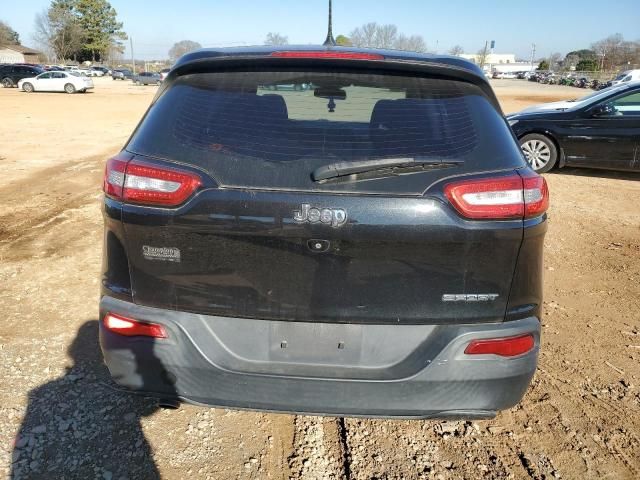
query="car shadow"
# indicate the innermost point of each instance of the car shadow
(595, 172)
(81, 425)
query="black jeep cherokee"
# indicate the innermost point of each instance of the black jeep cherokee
(370, 244)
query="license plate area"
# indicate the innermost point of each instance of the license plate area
(316, 344)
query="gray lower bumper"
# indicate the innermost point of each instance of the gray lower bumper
(347, 370)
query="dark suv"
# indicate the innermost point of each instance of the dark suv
(369, 246)
(10, 74)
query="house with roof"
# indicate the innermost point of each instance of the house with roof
(18, 54)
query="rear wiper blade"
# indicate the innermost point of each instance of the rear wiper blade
(340, 169)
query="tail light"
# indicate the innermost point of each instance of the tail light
(500, 198)
(132, 328)
(504, 347)
(139, 182)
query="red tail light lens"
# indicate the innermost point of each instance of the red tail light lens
(504, 347)
(132, 328)
(328, 54)
(500, 198)
(147, 184)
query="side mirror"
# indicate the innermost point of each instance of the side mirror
(603, 110)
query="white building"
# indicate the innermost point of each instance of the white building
(18, 54)
(492, 58)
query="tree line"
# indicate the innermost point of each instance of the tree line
(80, 30)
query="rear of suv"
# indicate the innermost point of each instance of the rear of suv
(10, 74)
(368, 245)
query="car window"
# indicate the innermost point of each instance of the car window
(627, 105)
(44, 76)
(59, 75)
(271, 129)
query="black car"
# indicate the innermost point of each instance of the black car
(600, 130)
(372, 246)
(11, 74)
(121, 74)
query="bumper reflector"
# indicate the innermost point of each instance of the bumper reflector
(504, 347)
(132, 328)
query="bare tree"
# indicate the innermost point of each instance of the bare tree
(386, 36)
(58, 32)
(373, 35)
(456, 50)
(614, 52)
(365, 36)
(414, 43)
(182, 47)
(482, 56)
(274, 38)
(554, 59)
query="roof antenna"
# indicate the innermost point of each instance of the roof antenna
(330, 41)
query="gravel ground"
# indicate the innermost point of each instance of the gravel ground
(61, 417)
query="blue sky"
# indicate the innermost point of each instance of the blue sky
(557, 25)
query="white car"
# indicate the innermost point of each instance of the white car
(628, 76)
(69, 82)
(92, 72)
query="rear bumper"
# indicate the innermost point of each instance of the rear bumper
(416, 371)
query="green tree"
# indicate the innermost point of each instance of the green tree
(8, 36)
(543, 65)
(343, 40)
(588, 65)
(99, 23)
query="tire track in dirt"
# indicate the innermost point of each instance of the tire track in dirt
(318, 450)
(44, 200)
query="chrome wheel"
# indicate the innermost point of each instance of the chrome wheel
(537, 153)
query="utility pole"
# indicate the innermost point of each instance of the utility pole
(133, 59)
(533, 53)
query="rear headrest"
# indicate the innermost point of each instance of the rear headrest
(275, 105)
(403, 113)
(408, 126)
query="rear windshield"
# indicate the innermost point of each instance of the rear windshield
(272, 129)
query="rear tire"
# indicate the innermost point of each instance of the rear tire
(7, 82)
(540, 151)
(69, 88)
(27, 87)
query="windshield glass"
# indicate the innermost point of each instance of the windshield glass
(273, 129)
(595, 96)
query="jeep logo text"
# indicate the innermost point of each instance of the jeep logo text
(335, 217)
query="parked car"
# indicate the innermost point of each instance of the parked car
(69, 82)
(122, 74)
(504, 75)
(628, 76)
(102, 71)
(147, 78)
(373, 248)
(600, 130)
(11, 74)
(94, 72)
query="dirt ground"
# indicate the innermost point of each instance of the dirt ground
(62, 417)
